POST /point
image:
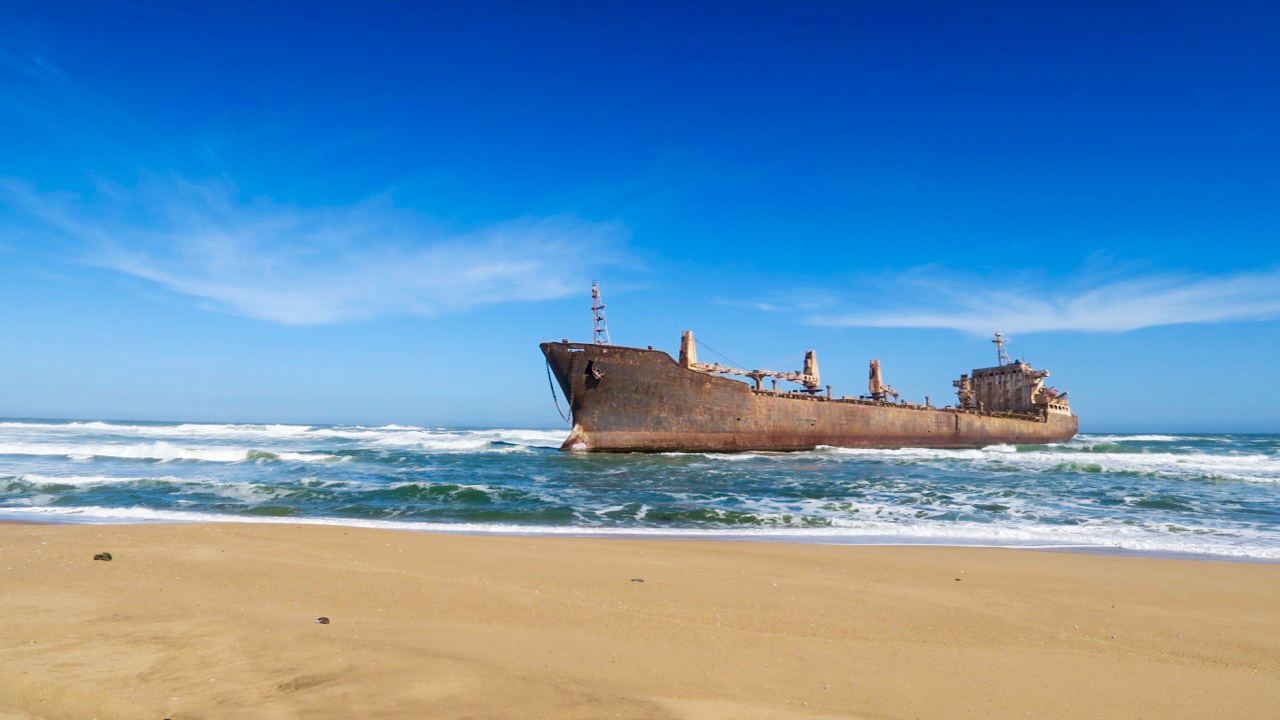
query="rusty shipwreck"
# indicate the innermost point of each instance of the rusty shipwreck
(625, 399)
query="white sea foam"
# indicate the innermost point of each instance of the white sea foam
(929, 533)
(35, 424)
(81, 480)
(726, 457)
(434, 441)
(1129, 438)
(232, 431)
(909, 454)
(533, 438)
(459, 440)
(453, 487)
(406, 436)
(206, 430)
(893, 496)
(1253, 467)
(159, 450)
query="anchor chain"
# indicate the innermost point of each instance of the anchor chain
(554, 396)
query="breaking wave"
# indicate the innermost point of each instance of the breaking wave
(161, 451)
(1130, 539)
(1208, 494)
(1129, 438)
(1253, 467)
(267, 436)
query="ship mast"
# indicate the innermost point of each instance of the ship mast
(1001, 356)
(600, 329)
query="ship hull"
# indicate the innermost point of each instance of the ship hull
(635, 400)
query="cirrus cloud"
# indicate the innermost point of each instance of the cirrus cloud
(300, 265)
(933, 298)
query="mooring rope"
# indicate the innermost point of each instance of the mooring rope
(554, 396)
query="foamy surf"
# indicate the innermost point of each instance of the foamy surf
(1213, 495)
(874, 533)
(161, 451)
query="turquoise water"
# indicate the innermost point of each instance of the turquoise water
(1208, 494)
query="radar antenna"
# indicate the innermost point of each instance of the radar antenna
(1001, 356)
(601, 330)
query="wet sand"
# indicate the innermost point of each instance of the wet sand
(218, 621)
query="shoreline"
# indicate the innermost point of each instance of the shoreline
(219, 620)
(1148, 495)
(782, 537)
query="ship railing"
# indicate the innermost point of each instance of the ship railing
(1013, 414)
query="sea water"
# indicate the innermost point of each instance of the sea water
(1205, 494)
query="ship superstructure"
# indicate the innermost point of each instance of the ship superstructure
(1011, 386)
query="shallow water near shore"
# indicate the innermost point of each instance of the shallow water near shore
(1213, 495)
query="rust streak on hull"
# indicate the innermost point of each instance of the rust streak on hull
(635, 400)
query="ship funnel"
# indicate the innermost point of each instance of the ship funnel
(688, 351)
(811, 381)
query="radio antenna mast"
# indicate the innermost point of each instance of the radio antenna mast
(1001, 356)
(600, 329)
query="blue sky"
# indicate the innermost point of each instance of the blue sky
(321, 212)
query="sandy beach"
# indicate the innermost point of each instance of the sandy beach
(219, 620)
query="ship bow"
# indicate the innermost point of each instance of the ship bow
(558, 357)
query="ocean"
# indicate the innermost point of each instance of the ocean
(1210, 495)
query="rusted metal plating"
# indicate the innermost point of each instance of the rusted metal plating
(631, 399)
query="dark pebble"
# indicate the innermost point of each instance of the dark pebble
(102, 556)
(637, 579)
(322, 620)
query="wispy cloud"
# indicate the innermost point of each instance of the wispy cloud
(316, 265)
(261, 257)
(933, 298)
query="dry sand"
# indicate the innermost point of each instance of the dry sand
(218, 621)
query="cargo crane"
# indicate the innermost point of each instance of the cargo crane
(808, 377)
